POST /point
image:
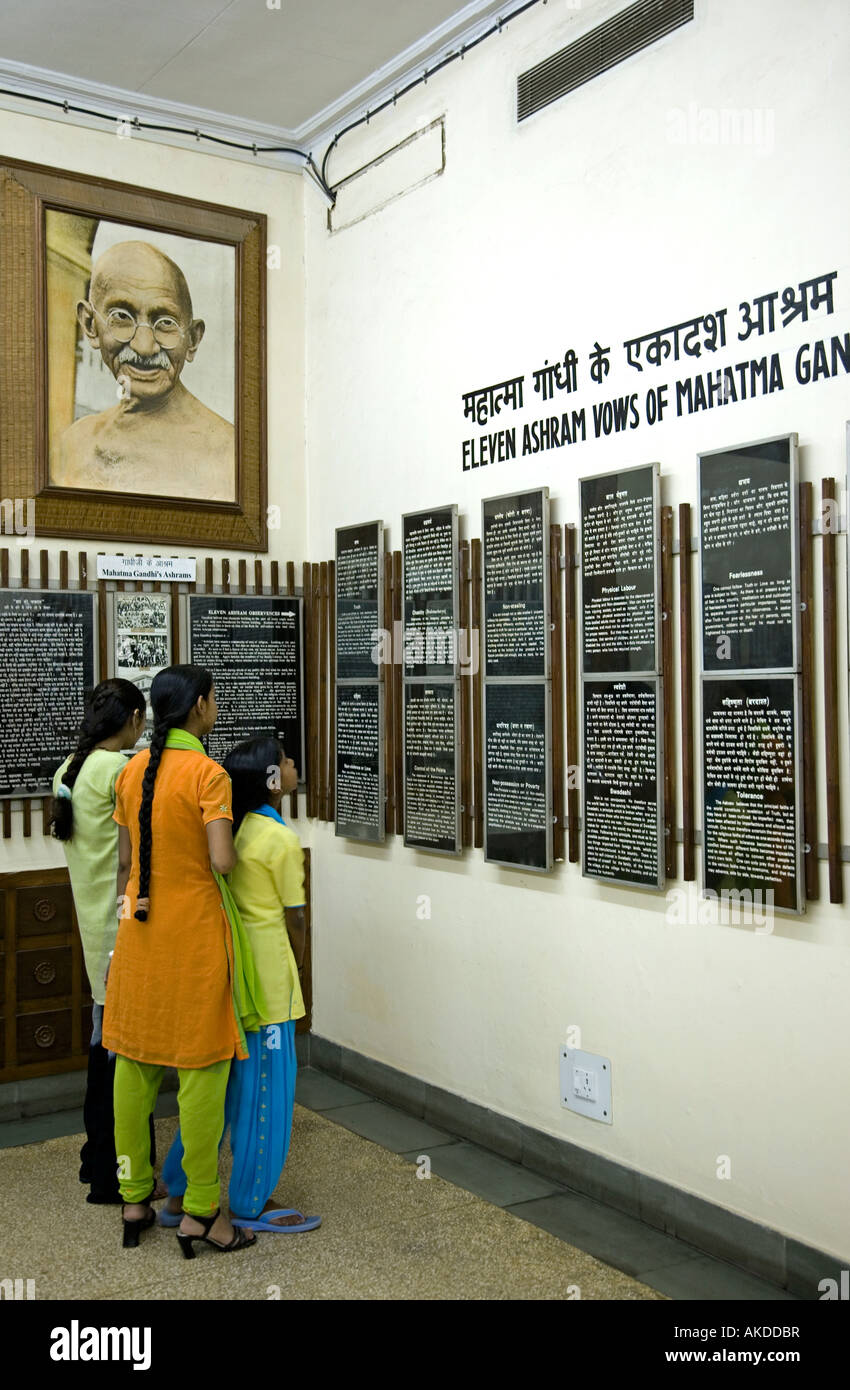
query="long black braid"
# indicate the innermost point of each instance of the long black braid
(174, 692)
(107, 709)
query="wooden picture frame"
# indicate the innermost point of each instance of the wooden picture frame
(27, 193)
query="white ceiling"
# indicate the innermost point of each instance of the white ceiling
(290, 68)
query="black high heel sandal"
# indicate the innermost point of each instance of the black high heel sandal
(239, 1241)
(133, 1228)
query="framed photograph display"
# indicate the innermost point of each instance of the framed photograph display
(132, 343)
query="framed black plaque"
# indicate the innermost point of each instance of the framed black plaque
(360, 761)
(620, 571)
(359, 592)
(254, 647)
(517, 791)
(623, 840)
(749, 557)
(430, 577)
(515, 558)
(431, 771)
(752, 833)
(48, 661)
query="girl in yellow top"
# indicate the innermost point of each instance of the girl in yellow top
(267, 883)
(84, 800)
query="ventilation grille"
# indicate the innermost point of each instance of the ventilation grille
(618, 38)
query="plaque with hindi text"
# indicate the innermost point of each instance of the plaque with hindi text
(621, 782)
(47, 659)
(751, 780)
(430, 571)
(254, 647)
(517, 791)
(620, 571)
(431, 796)
(358, 577)
(359, 762)
(515, 550)
(749, 557)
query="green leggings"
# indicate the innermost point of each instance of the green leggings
(200, 1101)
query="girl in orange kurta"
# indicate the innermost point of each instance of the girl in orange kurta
(169, 998)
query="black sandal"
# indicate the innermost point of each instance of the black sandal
(133, 1228)
(239, 1241)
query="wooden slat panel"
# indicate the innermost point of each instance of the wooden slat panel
(807, 687)
(830, 692)
(462, 689)
(686, 687)
(6, 805)
(209, 575)
(63, 569)
(101, 626)
(571, 673)
(557, 620)
(25, 569)
(398, 750)
(477, 688)
(323, 691)
(309, 702)
(27, 819)
(667, 686)
(258, 576)
(290, 576)
(44, 569)
(225, 575)
(315, 742)
(175, 622)
(386, 675)
(331, 690)
(4, 567)
(274, 570)
(243, 576)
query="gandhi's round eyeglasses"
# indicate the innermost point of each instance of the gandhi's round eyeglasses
(122, 325)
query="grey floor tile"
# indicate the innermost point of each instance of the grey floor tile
(713, 1280)
(607, 1234)
(320, 1092)
(39, 1127)
(414, 1155)
(488, 1176)
(384, 1125)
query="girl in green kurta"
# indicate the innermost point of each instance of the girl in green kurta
(84, 800)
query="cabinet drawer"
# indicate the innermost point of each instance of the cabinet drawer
(44, 1037)
(44, 910)
(44, 974)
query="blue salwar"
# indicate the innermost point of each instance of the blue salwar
(258, 1111)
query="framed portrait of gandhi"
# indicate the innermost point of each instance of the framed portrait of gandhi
(132, 361)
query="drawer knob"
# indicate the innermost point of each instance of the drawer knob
(44, 909)
(45, 1036)
(45, 972)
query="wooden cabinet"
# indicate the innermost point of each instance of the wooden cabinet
(45, 1004)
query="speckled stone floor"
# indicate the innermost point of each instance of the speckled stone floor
(386, 1234)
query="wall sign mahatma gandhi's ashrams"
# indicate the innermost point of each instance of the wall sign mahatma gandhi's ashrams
(133, 361)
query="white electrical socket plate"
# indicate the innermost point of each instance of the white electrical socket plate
(585, 1081)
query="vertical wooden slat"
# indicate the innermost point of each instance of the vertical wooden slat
(290, 576)
(323, 692)
(209, 575)
(462, 693)
(258, 576)
(398, 750)
(477, 653)
(557, 643)
(82, 569)
(44, 569)
(316, 630)
(101, 625)
(309, 702)
(667, 684)
(225, 575)
(571, 673)
(331, 690)
(10, 984)
(25, 569)
(830, 692)
(4, 584)
(807, 709)
(243, 576)
(386, 675)
(157, 583)
(63, 569)
(274, 572)
(686, 687)
(175, 620)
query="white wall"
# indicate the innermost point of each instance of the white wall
(212, 179)
(589, 222)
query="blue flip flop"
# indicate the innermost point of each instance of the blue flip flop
(169, 1218)
(262, 1223)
